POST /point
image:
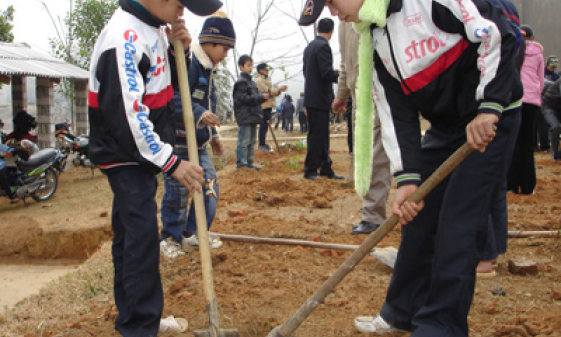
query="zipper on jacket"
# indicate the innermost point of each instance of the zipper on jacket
(387, 31)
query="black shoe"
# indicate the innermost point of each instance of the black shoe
(364, 228)
(253, 167)
(310, 176)
(263, 148)
(332, 176)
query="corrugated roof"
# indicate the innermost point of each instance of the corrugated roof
(20, 59)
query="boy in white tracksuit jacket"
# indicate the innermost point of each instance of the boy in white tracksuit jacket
(453, 62)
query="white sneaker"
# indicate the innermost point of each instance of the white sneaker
(193, 241)
(170, 248)
(172, 325)
(374, 324)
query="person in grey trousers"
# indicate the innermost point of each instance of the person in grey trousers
(301, 110)
(374, 202)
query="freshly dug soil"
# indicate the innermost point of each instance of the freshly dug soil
(260, 286)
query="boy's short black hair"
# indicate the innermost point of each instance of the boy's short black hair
(325, 25)
(243, 59)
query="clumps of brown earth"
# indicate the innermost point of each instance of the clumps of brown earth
(524, 326)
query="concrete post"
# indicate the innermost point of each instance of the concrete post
(19, 94)
(81, 108)
(45, 108)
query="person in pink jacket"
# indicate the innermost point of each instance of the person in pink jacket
(522, 173)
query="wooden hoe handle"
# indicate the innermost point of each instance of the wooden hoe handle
(364, 249)
(199, 202)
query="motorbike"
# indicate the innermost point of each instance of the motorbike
(32, 175)
(68, 144)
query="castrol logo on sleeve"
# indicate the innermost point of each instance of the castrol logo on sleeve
(130, 65)
(130, 36)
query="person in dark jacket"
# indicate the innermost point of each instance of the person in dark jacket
(497, 227)
(23, 123)
(301, 110)
(464, 97)
(288, 113)
(551, 64)
(551, 109)
(217, 37)
(247, 109)
(318, 88)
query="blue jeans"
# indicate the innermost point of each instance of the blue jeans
(175, 220)
(136, 253)
(246, 145)
(289, 123)
(264, 126)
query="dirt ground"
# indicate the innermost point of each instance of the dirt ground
(260, 286)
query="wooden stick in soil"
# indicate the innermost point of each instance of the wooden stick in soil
(318, 297)
(534, 234)
(274, 138)
(386, 255)
(199, 204)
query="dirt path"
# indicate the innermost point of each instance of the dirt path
(20, 281)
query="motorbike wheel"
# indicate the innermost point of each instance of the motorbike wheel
(46, 191)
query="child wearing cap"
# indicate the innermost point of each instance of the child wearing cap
(247, 109)
(264, 84)
(550, 67)
(131, 137)
(217, 37)
(452, 61)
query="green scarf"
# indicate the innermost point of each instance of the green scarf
(372, 11)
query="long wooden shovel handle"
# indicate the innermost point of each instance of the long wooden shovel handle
(535, 234)
(285, 242)
(306, 309)
(199, 202)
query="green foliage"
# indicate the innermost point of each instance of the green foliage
(84, 24)
(293, 163)
(91, 290)
(6, 18)
(6, 35)
(301, 145)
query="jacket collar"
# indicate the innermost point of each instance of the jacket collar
(245, 76)
(202, 56)
(135, 9)
(261, 75)
(394, 7)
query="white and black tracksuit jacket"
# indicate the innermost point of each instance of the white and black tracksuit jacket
(446, 59)
(130, 110)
